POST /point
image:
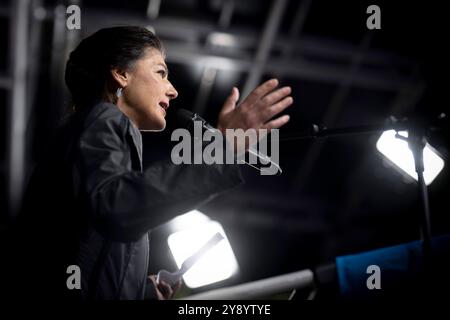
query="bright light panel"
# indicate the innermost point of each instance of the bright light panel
(188, 220)
(218, 264)
(397, 151)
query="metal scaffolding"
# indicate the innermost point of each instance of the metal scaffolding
(17, 109)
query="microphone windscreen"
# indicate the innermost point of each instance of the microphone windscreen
(180, 118)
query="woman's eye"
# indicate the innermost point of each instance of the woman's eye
(162, 73)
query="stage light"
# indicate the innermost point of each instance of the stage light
(217, 264)
(188, 220)
(221, 39)
(398, 152)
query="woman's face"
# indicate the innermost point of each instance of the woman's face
(147, 92)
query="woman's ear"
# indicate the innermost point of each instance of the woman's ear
(120, 76)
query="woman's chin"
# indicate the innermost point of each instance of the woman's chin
(163, 126)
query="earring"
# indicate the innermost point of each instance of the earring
(119, 92)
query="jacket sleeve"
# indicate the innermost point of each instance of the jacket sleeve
(126, 203)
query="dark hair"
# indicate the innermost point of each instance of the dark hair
(89, 65)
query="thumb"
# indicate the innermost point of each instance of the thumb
(231, 101)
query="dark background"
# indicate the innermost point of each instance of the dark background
(336, 196)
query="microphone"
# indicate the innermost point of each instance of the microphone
(185, 119)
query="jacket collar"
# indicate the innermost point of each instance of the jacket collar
(137, 140)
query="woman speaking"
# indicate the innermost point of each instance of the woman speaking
(90, 203)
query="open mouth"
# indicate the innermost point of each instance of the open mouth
(164, 106)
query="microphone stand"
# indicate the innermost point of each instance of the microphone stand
(417, 137)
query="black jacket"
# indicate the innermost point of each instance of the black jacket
(91, 204)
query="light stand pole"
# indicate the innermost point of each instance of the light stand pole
(417, 140)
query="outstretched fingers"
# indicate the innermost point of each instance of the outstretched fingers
(267, 112)
(276, 123)
(258, 93)
(275, 96)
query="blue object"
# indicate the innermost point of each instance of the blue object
(400, 268)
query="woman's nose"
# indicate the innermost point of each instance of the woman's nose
(172, 93)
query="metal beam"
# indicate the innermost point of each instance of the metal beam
(185, 38)
(265, 45)
(18, 103)
(190, 54)
(226, 14)
(204, 91)
(36, 25)
(297, 25)
(192, 32)
(260, 289)
(210, 72)
(153, 9)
